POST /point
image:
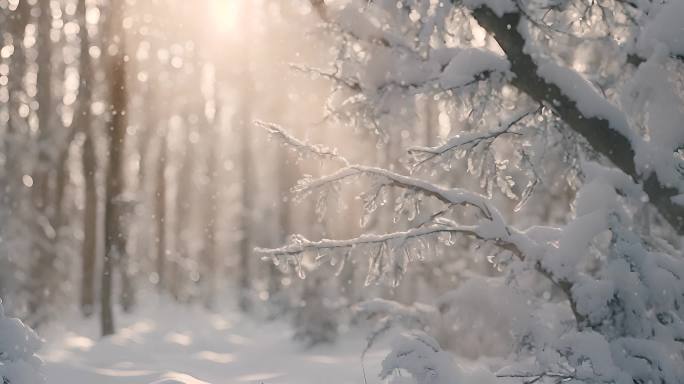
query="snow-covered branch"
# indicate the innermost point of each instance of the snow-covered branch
(469, 140)
(449, 196)
(301, 147)
(351, 84)
(303, 245)
(578, 105)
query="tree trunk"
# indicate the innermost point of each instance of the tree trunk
(246, 167)
(285, 182)
(183, 211)
(160, 214)
(597, 131)
(143, 230)
(89, 248)
(209, 264)
(244, 122)
(115, 241)
(89, 159)
(46, 229)
(17, 28)
(12, 198)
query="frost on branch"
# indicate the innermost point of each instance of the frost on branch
(624, 296)
(389, 254)
(481, 161)
(461, 143)
(301, 148)
(602, 291)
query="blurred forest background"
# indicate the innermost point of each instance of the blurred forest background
(132, 164)
(525, 157)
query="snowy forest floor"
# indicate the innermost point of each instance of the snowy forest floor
(164, 340)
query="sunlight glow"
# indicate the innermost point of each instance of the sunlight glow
(79, 342)
(219, 358)
(224, 14)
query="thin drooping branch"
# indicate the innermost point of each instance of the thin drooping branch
(493, 229)
(598, 132)
(303, 245)
(301, 147)
(469, 139)
(431, 85)
(449, 196)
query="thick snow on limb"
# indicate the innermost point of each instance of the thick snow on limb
(606, 134)
(654, 101)
(584, 95)
(613, 298)
(467, 65)
(452, 196)
(665, 29)
(632, 316)
(603, 291)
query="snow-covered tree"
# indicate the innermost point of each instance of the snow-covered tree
(532, 93)
(18, 347)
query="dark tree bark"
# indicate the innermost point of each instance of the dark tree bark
(46, 202)
(126, 294)
(83, 121)
(44, 76)
(596, 131)
(115, 241)
(90, 228)
(18, 19)
(603, 138)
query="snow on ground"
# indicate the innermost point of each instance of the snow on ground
(167, 343)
